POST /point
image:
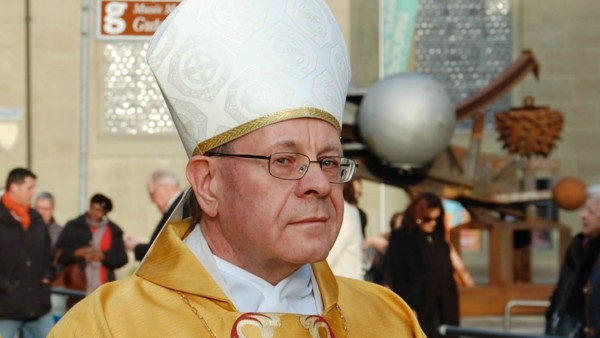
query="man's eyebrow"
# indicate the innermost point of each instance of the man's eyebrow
(294, 144)
(286, 143)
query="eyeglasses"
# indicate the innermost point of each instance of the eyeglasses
(293, 166)
(425, 220)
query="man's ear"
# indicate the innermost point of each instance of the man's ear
(200, 173)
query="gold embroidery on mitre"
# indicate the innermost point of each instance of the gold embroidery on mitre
(264, 121)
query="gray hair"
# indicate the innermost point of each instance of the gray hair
(44, 195)
(163, 176)
(593, 192)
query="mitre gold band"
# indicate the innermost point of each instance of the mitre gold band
(253, 125)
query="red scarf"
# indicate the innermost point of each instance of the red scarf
(105, 244)
(22, 211)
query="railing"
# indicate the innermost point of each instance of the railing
(522, 303)
(58, 290)
(483, 333)
(480, 333)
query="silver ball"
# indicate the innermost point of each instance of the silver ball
(407, 119)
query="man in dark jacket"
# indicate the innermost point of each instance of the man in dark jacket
(25, 261)
(567, 311)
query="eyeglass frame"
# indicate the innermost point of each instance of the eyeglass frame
(353, 163)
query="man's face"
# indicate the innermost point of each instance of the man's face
(590, 218)
(23, 193)
(270, 222)
(45, 208)
(157, 196)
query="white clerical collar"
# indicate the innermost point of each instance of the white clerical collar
(298, 293)
(253, 294)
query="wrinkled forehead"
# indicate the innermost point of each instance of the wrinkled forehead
(43, 203)
(592, 205)
(293, 135)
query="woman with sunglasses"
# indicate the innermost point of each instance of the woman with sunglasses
(419, 266)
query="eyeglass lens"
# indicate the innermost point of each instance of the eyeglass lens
(294, 166)
(425, 219)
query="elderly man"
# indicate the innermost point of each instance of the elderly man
(256, 90)
(566, 314)
(44, 204)
(165, 192)
(25, 261)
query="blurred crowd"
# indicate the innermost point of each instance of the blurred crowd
(415, 258)
(39, 253)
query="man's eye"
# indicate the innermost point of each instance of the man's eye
(330, 163)
(283, 160)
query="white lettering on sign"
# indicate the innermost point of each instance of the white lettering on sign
(169, 8)
(113, 21)
(148, 10)
(140, 24)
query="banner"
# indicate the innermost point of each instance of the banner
(398, 20)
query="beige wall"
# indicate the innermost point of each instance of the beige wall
(564, 37)
(12, 80)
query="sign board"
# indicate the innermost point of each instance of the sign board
(131, 20)
(10, 114)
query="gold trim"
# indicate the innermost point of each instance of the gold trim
(264, 121)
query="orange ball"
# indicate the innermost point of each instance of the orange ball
(569, 193)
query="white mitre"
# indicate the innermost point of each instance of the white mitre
(229, 67)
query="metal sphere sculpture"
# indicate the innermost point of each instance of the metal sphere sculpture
(407, 119)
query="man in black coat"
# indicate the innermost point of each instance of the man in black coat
(165, 192)
(566, 314)
(25, 261)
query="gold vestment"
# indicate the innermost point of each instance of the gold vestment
(172, 295)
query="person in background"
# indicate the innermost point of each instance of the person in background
(419, 266)
(590, 217)
(352, 195)
(395, 222)
(94, 242)
(457, 214)
(376, 247)
(44, 204)
(165, 192)
(25, 261)
(256, 90)
(346, 256)
(567, 311)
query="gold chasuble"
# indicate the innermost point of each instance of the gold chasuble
(172, 295)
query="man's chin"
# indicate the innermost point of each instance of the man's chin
(308, 258)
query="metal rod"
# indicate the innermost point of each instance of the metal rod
(446, 330)
(522, 303)
(83, 154)
(67, 292)
(28, 133)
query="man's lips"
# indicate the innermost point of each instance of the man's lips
(309, 220)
